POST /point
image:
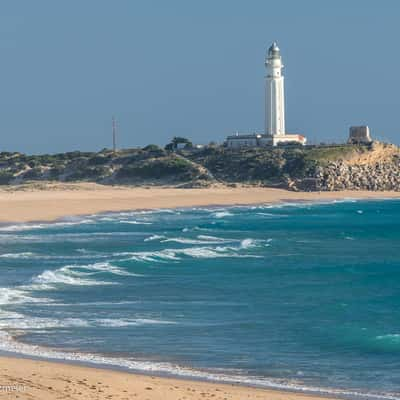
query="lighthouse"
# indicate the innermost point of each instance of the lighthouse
(275, 100)
(274, 133)
(274, 93)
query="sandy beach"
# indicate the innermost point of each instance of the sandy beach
(42, 380)
(50, 202)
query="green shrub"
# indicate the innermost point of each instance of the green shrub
(87, 173)
(157, 169)
(34, 173)
(98, 160)
(5, 177)
(56, 171)
(151, 147)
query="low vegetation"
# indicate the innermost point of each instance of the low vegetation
(181, 164)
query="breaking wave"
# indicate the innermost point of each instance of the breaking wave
(222, 214)
(120, 322)
(13, 320)
(154, 237)
(201, 239)
(176, 254)
(134, 222)
(65, 276)
(23, 322)
(391, 340)
(79, 275)
(24, 255)
(18, 296)
(50, 225)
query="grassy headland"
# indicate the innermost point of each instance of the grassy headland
(355, 167)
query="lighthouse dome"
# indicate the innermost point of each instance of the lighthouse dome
(274, 51)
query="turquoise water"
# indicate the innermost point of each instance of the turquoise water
(303, 296)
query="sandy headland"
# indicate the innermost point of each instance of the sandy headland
(53, 201)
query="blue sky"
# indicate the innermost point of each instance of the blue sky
(192, 68)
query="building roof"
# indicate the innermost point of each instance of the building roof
(247, 136)
(274, 51)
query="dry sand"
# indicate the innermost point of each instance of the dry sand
(42, 380)
(28, 203)
(29, 379)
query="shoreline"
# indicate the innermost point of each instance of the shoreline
(52, 202)
(45, 379)
(32, 356)
(21, 351)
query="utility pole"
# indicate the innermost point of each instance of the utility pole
(114, 134)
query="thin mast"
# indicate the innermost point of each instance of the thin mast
(114, 134)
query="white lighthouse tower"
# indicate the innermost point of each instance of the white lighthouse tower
(275, 100)
(275, 132)
(274, 93)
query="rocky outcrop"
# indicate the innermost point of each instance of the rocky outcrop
(341, 176)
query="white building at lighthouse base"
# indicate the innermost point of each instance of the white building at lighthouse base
(262, 140)
(288, 139)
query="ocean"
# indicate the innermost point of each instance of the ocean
(302, 296)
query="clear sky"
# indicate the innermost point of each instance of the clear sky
(192, 68)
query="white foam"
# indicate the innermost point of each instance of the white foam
(134, 222)
(204, 252)
(106, 267)
(183, 240)
(20, 321)
(135, 214)
(23, 255)
(17, 296)
(272, 215)
(215, 239)
(76, 275)
(14, 320)
(391, 337)
(349, 238)
(64, 276)
(37, 287)
(32, 226)
(36, 256)
(195, 252)
(248, 243)
(201, 239)
(152, 256)
(154, 237)
(121, 322)
(222, 214)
